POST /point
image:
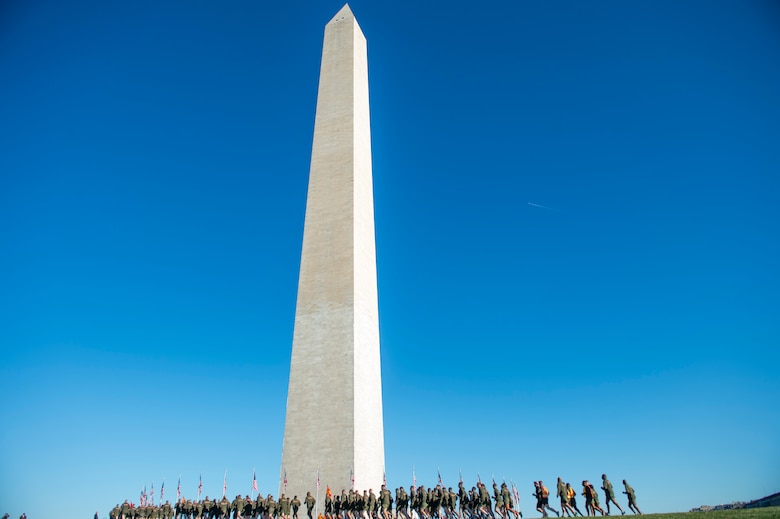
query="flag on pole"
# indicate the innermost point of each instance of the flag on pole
(439, 473)
(285, 481)
(516, 494)
(318, 479)
(162, 491)
(460, 474)
(142, 498)
(479, 478)
(254, 481)
(151, 495)
(178, 490)
(200, 485)
(351, 480)
(414, 478)
(224, 484)
(384, 478)
(327, 491)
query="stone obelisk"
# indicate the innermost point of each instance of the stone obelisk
(334, 403)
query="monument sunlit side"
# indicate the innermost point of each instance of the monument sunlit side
(334, 422)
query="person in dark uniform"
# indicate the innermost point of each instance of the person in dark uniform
(546, 498)
(573, 498)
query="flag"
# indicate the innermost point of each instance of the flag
(200, 485)
(142, 498)
(285, 480)
(327, 491)
(516, 494)
(351, 480)
(460, 473)
(384, 478)
(479, 478)
(162, 491)
(224, 484)
(151, 496)
(414, 478)
(439, 473)
(318, 479)
(178, 490)
(254, 481)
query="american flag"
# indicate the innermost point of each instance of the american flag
(384, 478)
(318, 479)
(142, 497)
(178, 490)
(351, 480)
(151, 495)
(439, 474)
(460, 473)
(162, 491)
(200, 485)
(285, 480)
(414, 478)
(224, 484)
(516, 494)
(254, 481)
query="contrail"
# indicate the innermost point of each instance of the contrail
(544, 207)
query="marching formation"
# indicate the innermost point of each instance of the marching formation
(419, 503)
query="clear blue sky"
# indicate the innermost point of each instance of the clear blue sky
(153, 167)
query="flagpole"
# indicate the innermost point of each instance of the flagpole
(317, 499)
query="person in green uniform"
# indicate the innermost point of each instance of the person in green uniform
(563, 494)
(629, 492)
(484, 500)
(369, 503)
(506, 498)
(498, 500)
(609, 494)
(284, 507)
(224, 508)
(385, 502)
(271, 507)
(295, 504)
(309, 501)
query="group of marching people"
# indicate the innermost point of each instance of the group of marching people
(568, 497)
(419, 503)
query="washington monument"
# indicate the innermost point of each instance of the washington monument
(334, 424)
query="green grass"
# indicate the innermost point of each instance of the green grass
(770, 512)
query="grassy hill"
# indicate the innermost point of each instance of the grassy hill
(771, 512)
